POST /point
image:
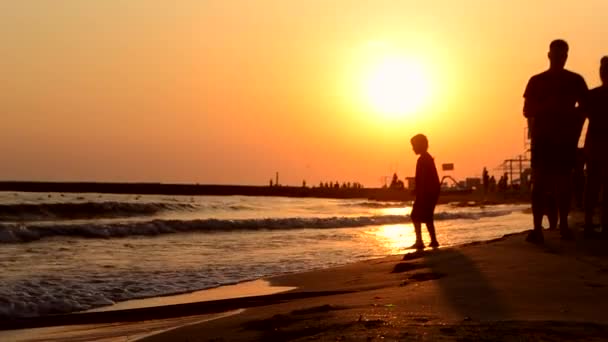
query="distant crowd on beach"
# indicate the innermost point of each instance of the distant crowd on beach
(490, 185)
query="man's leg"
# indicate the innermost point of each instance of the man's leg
(551, 202)
(538, 199)
(563, 183)
(602, 182)
(592, 188)
(604, 212)
(538, 205)
(579, 189)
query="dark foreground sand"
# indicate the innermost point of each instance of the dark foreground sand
(501, 290)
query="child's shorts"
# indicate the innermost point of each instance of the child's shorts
(423, 210)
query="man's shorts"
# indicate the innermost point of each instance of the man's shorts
(550, 180)
(558, 157)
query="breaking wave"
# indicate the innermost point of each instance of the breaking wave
(85, 210)
(376, 204)
(18, 233)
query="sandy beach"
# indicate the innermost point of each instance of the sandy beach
(505, 289)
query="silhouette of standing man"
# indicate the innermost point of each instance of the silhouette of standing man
(596, 144)
(554, 120)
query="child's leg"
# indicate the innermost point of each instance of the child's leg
(552, 211)
(418, 231)
(430, 226)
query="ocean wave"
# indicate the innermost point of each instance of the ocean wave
(85, 210)
(50, 294)
(18, 233)
(375, 204)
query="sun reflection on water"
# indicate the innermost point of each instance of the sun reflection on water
(395, 237)
(401, 211)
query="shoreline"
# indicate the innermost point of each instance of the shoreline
(251, 288)
(215, 300)
(116, 331)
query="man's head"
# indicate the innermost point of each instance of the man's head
(604, 70)
(558, 54)
(420, 143)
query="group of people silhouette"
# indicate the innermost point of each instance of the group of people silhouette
(557, 102)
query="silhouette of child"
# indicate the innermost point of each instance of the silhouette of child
(427, 191)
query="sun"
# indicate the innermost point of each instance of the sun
(395, 86)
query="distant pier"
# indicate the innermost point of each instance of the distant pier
(380, 194)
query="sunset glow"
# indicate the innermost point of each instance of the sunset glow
(232, 92)
(396, 87)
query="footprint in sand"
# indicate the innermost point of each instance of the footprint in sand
(405, 267)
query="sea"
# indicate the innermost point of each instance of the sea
(64, 253)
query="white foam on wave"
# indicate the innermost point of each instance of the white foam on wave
(47, 295)
(31, 232)
(55, 295)
(376, 204)
(80, 210)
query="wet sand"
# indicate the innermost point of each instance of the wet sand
(254, 288)
(107, 332)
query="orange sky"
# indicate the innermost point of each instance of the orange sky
(231, 91)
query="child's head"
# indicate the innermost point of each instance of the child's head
(420, 143)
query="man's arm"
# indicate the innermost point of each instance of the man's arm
(531, 108)
(582, 112)
(583, 96)
(531, 104)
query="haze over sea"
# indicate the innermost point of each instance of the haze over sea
(63, 253)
